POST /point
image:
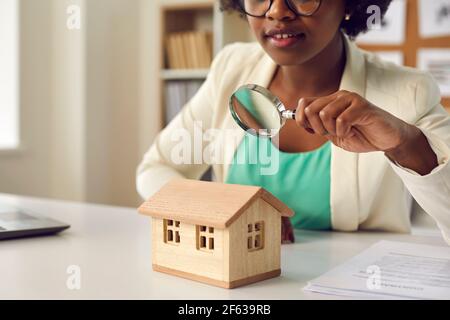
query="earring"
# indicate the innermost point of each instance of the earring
(347, 16)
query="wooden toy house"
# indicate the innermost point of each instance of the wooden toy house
(220, 234)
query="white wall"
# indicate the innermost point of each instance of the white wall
(80, 103)
(150, 61)
(27, 171)
(90, 102)
(96, 86)
(68, 178)
(9, 75)
(112, 97)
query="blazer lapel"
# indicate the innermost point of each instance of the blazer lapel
(344, 165)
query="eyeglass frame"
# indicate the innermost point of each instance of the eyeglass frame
(288, 4)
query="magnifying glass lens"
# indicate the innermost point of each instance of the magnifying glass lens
(255, 112)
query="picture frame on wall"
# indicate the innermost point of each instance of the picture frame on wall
(437, 62)
(434, 18)
(391, 30)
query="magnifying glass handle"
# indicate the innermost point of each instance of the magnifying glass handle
(288, 114)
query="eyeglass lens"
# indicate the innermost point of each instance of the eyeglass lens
(259, 8)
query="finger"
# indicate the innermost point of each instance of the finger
(291, 235)
(283, 230)
(331, 112)
(312, 114)
(284, 234)
(303, 103)
(300, 117)
(286, 230)
(288, 238)
(345, 121)
(285, 238)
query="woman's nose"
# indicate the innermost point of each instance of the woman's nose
(280, 11)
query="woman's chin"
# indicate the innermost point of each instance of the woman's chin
(287, 60)
(285, 57)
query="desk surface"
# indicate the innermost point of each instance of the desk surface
(112, 247)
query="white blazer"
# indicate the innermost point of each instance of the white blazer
(368, 191)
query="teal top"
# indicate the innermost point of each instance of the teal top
(300, 180)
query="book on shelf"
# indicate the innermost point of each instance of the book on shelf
(189, 50)
(177, 95)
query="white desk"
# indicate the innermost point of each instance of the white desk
(112, 247)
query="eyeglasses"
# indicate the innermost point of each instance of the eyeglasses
(259, 8)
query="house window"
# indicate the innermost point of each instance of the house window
(255, 236)
(172, 231)
(205, 238)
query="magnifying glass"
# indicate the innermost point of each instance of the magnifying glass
(256, 110)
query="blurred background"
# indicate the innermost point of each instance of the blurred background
(86, 85)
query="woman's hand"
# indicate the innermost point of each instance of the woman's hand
(287, 231)
(356, 125)
(351, 122)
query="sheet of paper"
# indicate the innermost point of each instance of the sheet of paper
(390, 270)
(434, 18)
(437, 62)
(392, 31)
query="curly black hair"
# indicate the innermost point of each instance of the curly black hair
(357, 8)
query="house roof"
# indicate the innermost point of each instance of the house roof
(213, 204)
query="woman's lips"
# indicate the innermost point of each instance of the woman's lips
(285, 40)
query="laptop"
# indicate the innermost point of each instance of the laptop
(16, 223)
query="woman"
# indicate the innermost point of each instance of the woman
(367, 136)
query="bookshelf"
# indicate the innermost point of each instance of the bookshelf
(175, 85)
(183, 74)
(191, 16)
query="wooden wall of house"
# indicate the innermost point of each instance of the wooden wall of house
(238, 259)
(185, 256)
